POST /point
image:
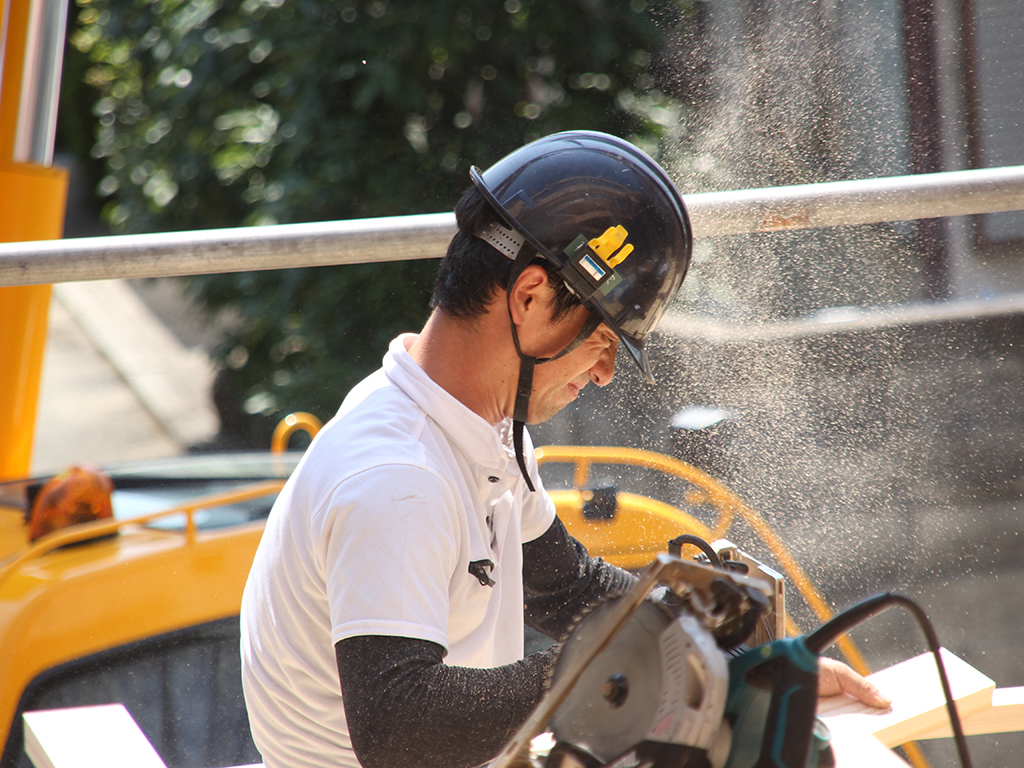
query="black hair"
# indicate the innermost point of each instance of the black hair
(473, 272)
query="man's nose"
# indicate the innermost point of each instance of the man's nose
(603, 371)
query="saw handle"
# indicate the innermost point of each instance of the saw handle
(773, 695)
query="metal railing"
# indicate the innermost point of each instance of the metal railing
(397, 238)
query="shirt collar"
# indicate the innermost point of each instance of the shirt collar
(488, 445)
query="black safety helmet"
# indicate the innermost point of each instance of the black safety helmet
(606, 215)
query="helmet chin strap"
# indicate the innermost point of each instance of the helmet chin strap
(509, 243)
(524, 387)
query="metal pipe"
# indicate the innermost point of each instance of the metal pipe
(806, 206)
(209, 251)
(863, 201)
(40, 89)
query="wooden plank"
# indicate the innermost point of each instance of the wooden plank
(918, 704)
(103, 736)
(1004, 716)
(854, 749)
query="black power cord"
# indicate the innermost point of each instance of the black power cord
(832, 630)
(675, 548)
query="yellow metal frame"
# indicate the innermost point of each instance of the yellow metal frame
(291, 424)
(32, 199)
(643, 526)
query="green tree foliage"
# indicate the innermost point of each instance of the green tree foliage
(220, 114)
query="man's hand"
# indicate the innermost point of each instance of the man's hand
(835, 677)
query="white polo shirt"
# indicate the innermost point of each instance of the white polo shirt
(374, 534)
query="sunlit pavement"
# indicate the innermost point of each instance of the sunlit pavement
(117, 386)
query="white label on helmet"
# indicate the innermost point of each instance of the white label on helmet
(592, 266)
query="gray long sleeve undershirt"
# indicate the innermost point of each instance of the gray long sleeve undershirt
(407, 709)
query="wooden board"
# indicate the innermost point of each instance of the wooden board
(104, 736)
(853, 749)
(1005, 715)
(918, 704)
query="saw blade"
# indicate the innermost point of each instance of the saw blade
(614, 704)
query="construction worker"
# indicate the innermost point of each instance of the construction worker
(382, 622)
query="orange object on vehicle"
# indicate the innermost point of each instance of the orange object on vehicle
(77, 495)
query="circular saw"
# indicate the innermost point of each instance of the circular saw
(644, 682)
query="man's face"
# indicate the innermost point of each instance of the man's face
(558, 382)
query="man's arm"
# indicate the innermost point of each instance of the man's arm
(407, 709)
(560, 579)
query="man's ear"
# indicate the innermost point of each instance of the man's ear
(531, 294)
